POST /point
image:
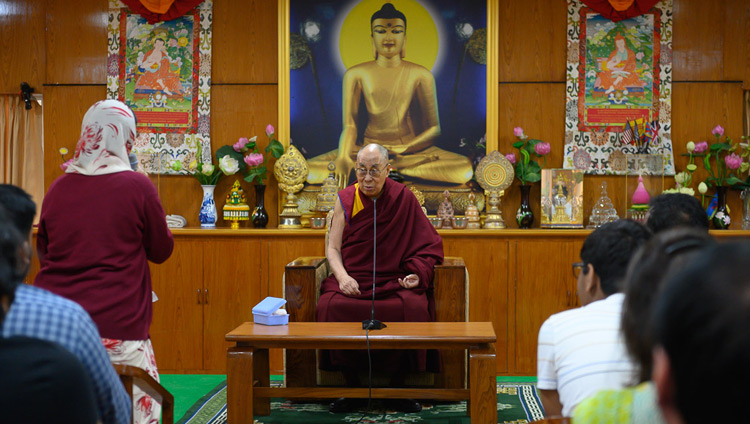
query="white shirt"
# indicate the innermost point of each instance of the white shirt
(582, 351)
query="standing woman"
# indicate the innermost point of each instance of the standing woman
(100, 225)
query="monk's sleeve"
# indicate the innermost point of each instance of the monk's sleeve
(426, 247)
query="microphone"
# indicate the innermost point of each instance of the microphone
(133, 161)
(372, 323)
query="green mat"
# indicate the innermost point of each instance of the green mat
(517, 403)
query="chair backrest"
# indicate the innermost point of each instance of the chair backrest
(130, 376)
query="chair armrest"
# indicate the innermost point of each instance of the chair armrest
(451, 290)
(302, 278)
(130, 375)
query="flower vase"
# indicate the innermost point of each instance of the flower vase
(207, 214)
(721, 218)
(259, 218)
(524, 215)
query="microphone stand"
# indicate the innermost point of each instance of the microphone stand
(372, 323)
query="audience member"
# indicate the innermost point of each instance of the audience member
(39, 314)
(672, 210)
(665, 254)
(100, 224)
(40, 382)
(701, 364)
(580, 351)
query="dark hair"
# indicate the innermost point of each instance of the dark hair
(609, 249)
(388, 11)
(661, 257)
(11, 242)
(701, 320)
(675, 210)
(19, 206)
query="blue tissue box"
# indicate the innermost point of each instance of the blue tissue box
(263, 312)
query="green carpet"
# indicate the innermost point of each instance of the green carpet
(187, 389)
(517, 403)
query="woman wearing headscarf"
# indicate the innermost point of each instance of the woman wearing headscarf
(99, 226)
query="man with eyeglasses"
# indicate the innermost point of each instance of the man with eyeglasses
(408, 248)
(581, 351)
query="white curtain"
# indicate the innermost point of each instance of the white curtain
(22, 142)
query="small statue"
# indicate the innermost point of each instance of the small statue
(445, 210)
(326, 199)
(236, 208)
(472, 213)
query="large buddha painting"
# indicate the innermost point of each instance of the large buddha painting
(409, 75)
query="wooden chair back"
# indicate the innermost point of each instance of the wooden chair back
(131, 376)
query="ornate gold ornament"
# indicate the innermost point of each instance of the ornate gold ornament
(494, 174)
(291, 172)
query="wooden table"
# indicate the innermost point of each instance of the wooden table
(248, 377)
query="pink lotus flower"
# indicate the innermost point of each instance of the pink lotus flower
(542, 148)
(254, 159)
(518, 132)
(733, 161)
(718, 131)
(270, 130)
(240, 145)
(511, 158)
(700, 147)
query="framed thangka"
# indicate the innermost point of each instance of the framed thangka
(619, 76)
(409, 75)
(163, 72)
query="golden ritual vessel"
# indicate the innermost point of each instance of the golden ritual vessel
(236, 208)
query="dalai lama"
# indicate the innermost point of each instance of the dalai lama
(408, 248)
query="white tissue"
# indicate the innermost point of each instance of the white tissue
(279, 312)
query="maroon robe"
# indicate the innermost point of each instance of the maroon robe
(406, 244)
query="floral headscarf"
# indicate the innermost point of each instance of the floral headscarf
(107, 134)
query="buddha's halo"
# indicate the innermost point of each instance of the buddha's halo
(353, 38)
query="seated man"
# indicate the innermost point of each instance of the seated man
(38, 313)
(40, 382)
(701, 364)
(581, 351)
(672, 210)
(408, 248)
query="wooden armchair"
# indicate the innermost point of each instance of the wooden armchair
(130, 375)
(302, 280)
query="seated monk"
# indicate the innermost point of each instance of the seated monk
(408, 248)
(618, 71)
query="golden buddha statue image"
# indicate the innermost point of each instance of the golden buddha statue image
(472, 213)
(560, 202)
(400, 111)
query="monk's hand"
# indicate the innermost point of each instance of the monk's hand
(349, 286)
(409, 282)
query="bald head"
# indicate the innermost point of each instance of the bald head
(371, 149)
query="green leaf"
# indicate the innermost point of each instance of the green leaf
(276, 148)
(720, 146)
(534, 168)
(533, 177)
(525, 156)
(518, 144)
(733, 181)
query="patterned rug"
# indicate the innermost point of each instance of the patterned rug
(516, 404)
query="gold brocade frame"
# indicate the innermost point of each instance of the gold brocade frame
(493, 77)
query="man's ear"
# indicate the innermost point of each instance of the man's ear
(591, 281)
(661, 375)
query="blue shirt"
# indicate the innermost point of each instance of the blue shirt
(40, 314)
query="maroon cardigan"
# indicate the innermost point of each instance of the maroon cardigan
(96, 236)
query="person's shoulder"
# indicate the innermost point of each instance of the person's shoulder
(35, 296)
(419, 69)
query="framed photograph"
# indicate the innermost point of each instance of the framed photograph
(412, 76)
(562, 198)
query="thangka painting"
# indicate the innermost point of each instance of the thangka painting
(618, 89)
(411, 77)
(163, 71)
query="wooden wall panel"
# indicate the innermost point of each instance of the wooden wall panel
(532, 40)
(64, 107)
(22, 44)
(231, 272)
(245, 42)
(76, 42)
(488, 284)
(737, 41)
(697, 41)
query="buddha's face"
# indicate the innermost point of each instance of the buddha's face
(388, 36)
(369, 163)
(620, 43)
